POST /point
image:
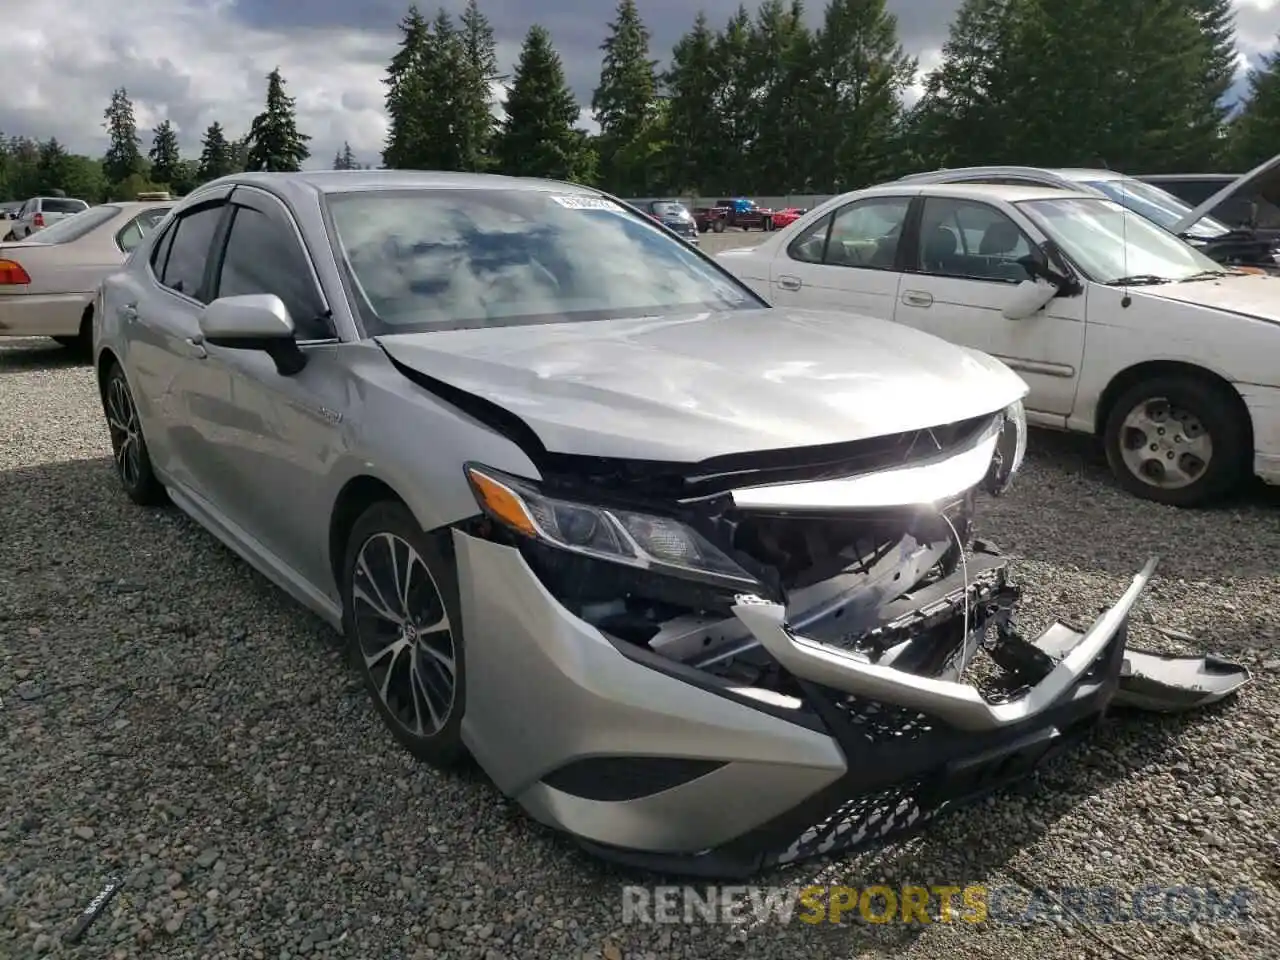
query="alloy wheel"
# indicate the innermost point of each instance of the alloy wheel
(1164, 445)
(404, 635)
(126, 434)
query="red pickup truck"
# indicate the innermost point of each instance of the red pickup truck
(741, 213)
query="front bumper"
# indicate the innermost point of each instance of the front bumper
(653, 763)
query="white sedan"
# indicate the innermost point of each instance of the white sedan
(1119, 328)
(48, 283)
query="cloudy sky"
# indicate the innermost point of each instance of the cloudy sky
(196, 61)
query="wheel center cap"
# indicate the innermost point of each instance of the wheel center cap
(410, 632)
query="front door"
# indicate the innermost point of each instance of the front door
(848, 260)
(270, 437)
(963, 272)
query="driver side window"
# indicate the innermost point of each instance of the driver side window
(971, 240)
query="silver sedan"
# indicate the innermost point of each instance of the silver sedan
(692, 578)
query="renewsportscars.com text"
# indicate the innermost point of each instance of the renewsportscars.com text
(939, 903)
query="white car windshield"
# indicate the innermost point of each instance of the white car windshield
(1110, 244)
(427, 259)
(1157, 205)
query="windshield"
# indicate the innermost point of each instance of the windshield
(670, 209)
(76, 226)
(1110, 244)
(55, 205)
(458, 259)
(1157, 205)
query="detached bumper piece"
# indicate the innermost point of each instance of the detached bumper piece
(917, 740)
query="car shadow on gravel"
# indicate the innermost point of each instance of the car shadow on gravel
(36, 353)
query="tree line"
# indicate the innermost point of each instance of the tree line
(761, 104)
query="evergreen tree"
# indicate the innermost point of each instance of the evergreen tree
(124, 155)
(538, 136)
(476, 123)
(782, 62)
(345, 159)
(53, 166)
(1216, 19)
(274, 141)
(735, 103)
(1255, 133)
(693, 125)
(624, 102)
(216, 158)
(407, 97)
(165, 159)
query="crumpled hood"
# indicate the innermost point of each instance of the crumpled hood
(683, 389)
(1252, 295)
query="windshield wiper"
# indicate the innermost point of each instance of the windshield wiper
(1138, 280)
(1207, 275)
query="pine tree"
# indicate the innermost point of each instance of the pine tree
(735, 102)
(274, 141)
(53, 166)
(539, 137)
(407, 97)
(165, 159)
(477, 125)
(216, 158)
(345, 159)
(693, 126)
(623, 103)
(1255, 133)
(124, 155)
(1216, 19)
(782, 66)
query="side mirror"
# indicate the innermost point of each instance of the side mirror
(1028, 297)
(256, 321)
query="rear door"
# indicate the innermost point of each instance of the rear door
(961, 274)
(848, 260)
(163, 329)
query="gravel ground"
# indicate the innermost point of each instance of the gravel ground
(168, 716)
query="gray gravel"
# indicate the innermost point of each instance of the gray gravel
(168, 716)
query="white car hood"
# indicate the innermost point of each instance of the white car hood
(1251, 295)
(687, 388)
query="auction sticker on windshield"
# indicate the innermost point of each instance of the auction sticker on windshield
(588, 203)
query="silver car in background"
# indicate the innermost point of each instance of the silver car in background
(692, 578)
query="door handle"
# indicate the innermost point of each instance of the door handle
(129, 312)
(195, 347)
(789, 283)
(915, 298)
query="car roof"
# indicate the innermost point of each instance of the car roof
(343, 181)
(1165, 177)
(1075, 174)
(1011, 193)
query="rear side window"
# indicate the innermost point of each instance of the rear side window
(139, 228)
(59, 205)
(189, 250)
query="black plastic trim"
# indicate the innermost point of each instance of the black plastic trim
(618, 779)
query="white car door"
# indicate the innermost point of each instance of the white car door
(847, 260)
(962, 275)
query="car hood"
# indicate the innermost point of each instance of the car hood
(1252, 295)
(1263, 180)
(686, 388)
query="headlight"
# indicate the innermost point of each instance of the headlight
(1011, 448)
(641, 540)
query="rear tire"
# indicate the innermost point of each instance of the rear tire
(82, 343)
(128, 447)
(718, 227)
(403, 622)
(1178, 440)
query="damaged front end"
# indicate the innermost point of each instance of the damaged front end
(842, 588)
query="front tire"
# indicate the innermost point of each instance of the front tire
(402, 619)
(1178, 440)
(718, 226)
(128, 447)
